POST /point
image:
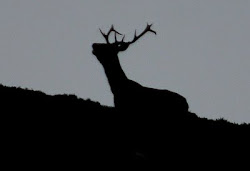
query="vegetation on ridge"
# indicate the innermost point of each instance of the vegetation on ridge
(40, 128)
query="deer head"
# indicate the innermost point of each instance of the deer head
(106, 50)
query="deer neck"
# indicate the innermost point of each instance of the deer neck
(116, 77)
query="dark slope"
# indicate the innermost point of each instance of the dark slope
(40, 130)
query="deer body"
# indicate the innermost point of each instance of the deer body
(127, 93)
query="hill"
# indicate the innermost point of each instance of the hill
(40, 130)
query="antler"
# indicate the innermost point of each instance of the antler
(106, 36)
(147, 29)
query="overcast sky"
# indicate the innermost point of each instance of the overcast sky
(201, 49)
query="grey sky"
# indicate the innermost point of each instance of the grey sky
(201, 49)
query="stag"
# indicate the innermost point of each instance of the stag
(129, 94)
(145, 110)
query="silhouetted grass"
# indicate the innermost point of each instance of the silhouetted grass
(63, 130)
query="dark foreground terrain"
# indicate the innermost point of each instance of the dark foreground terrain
(63, 131)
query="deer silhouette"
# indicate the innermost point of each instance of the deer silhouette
(157, 120)
(146, 112)
(130, 95)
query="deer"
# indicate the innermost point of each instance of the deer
(144, 106)
(128, 93)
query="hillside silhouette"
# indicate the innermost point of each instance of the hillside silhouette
(64, 130)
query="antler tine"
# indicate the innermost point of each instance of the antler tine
(147, 29)
(106, 36)
(115, 38)
(123, 38)
(119, 41)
